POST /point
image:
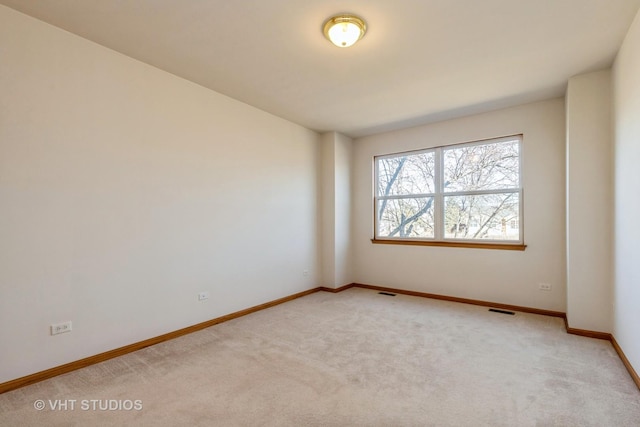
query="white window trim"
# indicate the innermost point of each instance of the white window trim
(439, 207)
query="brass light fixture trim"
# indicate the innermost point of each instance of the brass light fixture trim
(344, 30)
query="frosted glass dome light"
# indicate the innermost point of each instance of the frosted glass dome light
(344, 30)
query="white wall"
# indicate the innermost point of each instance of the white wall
(328, 207)
(626, 78)
(589, 202)
(124, 191)
(336, 209)
(509, 277)
(343, 172)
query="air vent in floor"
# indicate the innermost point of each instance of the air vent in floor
(387, 293)
(495, 310)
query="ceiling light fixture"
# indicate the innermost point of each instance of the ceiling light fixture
(344, 30)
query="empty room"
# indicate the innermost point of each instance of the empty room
(320, 213)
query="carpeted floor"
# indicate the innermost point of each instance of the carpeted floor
(355, 358)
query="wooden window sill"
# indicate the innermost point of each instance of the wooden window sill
(500, 246)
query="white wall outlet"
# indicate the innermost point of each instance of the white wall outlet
(305, 273)
(544, 286)
(203, 295)
(60, 328)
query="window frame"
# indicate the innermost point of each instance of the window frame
(439, 196)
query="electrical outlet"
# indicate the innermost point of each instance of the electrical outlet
(203, 295)
(60, 328)
(544, 286)
(305, 273)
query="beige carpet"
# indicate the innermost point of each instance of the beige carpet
(355, 358)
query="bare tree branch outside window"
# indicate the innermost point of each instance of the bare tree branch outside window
(478, 198)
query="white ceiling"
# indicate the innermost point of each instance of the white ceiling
(420, 61)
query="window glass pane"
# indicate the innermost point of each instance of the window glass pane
(490, 216)
(411, 217)
(493, 166)
(406, 175)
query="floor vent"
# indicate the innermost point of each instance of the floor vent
(387, 294)
(495, 310)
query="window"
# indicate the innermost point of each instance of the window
(457, 195)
